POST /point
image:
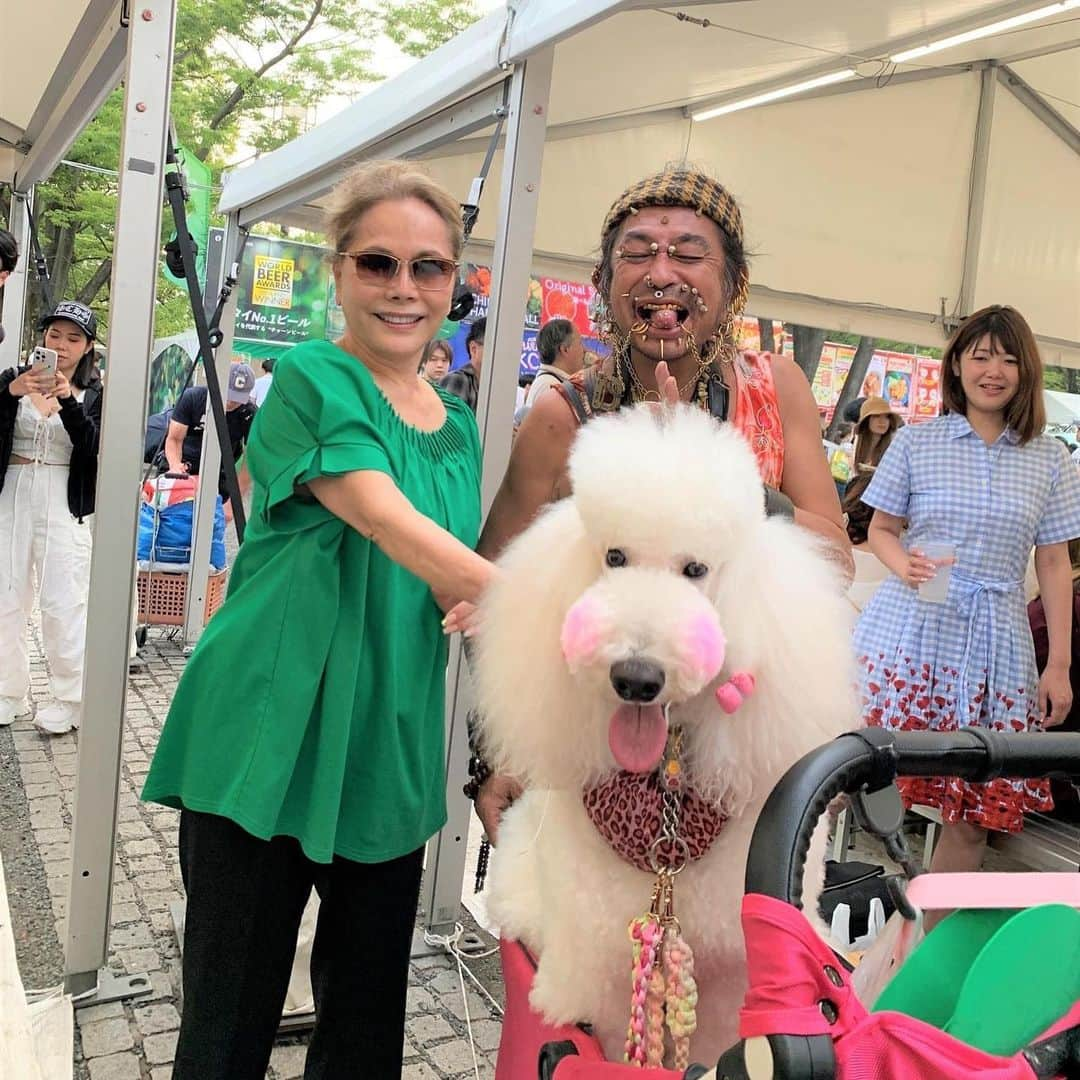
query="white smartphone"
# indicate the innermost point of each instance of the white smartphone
(44, 359)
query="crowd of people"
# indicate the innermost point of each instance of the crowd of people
(323, 766)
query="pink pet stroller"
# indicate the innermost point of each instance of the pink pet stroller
(801, 1019)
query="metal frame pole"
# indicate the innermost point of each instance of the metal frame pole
(15, 288)
(210, 462)
(518, 201)
(980, 160)
(134, 281)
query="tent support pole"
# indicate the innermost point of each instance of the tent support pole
(980, 161)
(1039, 108)
(108, 638)
(519, 198)
(15, 289)
(210, 461)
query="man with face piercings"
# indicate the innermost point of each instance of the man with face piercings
(672, 278)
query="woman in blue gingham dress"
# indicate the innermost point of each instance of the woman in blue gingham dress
(982, 478)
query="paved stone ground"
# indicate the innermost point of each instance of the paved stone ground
(136, 1040)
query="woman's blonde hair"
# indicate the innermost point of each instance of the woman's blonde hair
(374, 182)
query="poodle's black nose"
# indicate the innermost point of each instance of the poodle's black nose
(637, 680)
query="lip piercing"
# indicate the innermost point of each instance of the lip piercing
(639, 327)
(658, 294)
(661, 348)
(624, 295)
(618, 253)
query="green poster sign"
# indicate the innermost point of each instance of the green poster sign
(199, 180)
(282, 292)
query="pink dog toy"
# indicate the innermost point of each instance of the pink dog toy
(735, 691)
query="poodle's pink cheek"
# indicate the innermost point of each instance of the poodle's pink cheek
(704, 648)
(581, 632)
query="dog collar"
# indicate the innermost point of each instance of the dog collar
(627, 811)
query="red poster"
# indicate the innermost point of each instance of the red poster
(567, 300)
(927, 388)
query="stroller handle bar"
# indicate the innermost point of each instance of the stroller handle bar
(872, 759)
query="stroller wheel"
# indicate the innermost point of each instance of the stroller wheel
(551, 1054)
(780, 1057)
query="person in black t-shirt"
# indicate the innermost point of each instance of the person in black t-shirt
(183, 443)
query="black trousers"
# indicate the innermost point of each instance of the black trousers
(245, 899)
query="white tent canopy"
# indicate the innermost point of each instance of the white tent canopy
(874, 205)
(1062, 408)
(63, 59)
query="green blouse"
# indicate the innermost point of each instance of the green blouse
(313, 704)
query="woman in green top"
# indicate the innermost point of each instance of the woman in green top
(322, 764)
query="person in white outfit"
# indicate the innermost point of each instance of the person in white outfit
(49, 428)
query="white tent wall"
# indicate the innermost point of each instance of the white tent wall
(1031, 239)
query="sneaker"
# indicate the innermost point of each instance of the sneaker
(58, 718)
(11, 708)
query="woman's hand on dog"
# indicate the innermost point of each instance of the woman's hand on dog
(461, 618)
(496, 795)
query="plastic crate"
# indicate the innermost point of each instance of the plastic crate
(163, 594)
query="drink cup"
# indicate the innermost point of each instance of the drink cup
(942, 555)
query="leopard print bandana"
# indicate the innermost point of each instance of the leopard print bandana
(627, 809)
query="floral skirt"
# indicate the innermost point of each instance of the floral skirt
(924, 698)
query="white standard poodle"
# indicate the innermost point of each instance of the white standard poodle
(654, 623)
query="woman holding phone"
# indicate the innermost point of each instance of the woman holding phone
(50, 417)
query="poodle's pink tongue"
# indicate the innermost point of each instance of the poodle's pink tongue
(637, 735)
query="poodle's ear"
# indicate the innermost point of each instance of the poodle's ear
(788, 621)
(523, 684)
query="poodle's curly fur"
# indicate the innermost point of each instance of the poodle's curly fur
(666, 490)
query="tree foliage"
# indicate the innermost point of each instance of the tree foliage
(247, 73)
